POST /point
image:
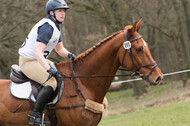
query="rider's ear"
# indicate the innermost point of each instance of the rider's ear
(51, 13)
(139, 25)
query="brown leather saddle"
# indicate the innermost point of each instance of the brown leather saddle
(18, 77)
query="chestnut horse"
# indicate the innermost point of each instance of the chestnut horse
(124, 48)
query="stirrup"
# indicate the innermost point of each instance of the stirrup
(37, 120)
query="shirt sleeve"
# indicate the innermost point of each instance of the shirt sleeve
(60, 39)
(44, 33)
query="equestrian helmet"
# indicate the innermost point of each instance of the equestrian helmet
(56, 4)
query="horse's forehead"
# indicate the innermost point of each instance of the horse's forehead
(128, 27)
(140, 43)
(144, 42)
(141, 39)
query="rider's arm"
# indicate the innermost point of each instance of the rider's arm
(38, 52)
(63, 52)
(44, 35)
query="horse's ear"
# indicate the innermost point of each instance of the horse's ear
(139, 25)
(133, 29)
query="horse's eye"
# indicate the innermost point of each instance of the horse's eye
(139, 50)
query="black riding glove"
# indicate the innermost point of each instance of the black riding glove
(71, 56)
(52, 71)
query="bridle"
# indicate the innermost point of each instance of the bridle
(127, 47)
(136, 69)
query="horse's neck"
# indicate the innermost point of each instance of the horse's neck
(99, 63)
(102, 61)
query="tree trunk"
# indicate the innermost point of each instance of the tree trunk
(139, 88)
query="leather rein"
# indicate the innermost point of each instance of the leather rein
(132, 57)
(136, 69)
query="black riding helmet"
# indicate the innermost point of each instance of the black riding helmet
(55, 4)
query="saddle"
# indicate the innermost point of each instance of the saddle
(19, 81)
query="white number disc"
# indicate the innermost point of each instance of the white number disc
(127, 45)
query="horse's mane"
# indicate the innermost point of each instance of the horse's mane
(90, 50)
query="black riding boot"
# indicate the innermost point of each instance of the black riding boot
(42, 99)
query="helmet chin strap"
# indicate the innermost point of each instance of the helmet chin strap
(55, 17)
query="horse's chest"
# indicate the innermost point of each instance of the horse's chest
(80, 118)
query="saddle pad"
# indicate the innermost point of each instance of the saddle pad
(22, 91)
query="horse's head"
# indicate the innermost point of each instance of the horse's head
(135, 55)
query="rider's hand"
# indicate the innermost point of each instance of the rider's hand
(52, 71)
(71, 56)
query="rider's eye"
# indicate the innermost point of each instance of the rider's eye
(139, 50)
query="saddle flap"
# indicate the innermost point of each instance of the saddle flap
(17, 91)
(18, 79)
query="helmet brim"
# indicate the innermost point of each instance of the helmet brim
(62, 7)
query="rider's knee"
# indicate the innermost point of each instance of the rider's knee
(52, 82)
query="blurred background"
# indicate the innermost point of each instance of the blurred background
(165, 27)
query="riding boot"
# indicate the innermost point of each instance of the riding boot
(42, 99)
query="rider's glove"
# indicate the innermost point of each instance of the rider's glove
(71, 56)
(52, 71)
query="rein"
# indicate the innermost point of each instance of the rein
(73, 78)
(98, 76)
(77, 90)
(136, 69)
(154, 64)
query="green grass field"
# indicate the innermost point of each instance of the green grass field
(166, 105)
(177, 114)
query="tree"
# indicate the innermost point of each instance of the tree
(16, 21)
(165, 27)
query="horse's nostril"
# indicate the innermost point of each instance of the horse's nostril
(158, 79)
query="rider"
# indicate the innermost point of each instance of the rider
(42, 39)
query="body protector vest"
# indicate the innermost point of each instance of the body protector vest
(27, 48)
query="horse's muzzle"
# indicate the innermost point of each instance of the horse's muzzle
(158, 80)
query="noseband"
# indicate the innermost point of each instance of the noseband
(127, 47)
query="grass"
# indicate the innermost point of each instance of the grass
(165, 105)
(176, 114)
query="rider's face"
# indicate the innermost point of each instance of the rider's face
(60, 14)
